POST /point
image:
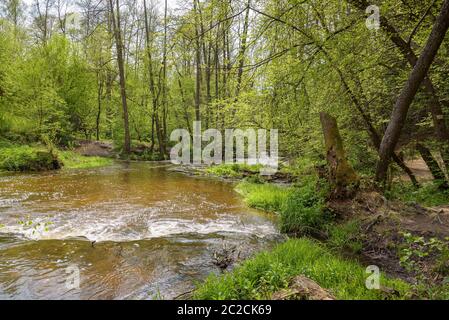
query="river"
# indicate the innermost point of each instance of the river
(130, 231)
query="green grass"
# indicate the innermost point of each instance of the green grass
(73, 160)
(428, 195)
(304, 210)
(26, 158)
(345, 236)
(233, 170)
(268, 272)
(39, 158)
(301, 207)
(266, 197)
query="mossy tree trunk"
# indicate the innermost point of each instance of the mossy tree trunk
(344, 180)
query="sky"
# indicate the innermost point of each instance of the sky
(172, 4)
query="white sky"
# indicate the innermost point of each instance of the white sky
(172, 4)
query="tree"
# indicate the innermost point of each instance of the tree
(120, 61)
(409, 91)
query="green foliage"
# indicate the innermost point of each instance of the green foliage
(301, 207)
(304, 166)
(414, 252)
(417, 248)
(303, 211)
(266, 273)
(25, 158)
(428, 195)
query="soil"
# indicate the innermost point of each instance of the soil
(383, 224)
(95, 148)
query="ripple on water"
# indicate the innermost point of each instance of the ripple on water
(155, 232)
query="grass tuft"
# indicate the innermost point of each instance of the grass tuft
(301, 207)
(268, 272)
(266, 197)
(73, 160)
(233, 170)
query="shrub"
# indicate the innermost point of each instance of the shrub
(303, 210)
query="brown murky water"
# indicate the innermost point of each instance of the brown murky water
(134, 231)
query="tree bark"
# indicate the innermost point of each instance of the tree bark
(121, 67)
(198, 65)
(154, 94)
(243, 44)
(407, 95)
(342, 176)
(99, 100)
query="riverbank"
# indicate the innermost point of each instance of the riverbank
(408, 241)
(38, 157)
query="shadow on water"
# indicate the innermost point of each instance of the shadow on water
(133, 230)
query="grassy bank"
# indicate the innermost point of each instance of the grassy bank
(304, 211)
(268, 272)
(301, 207)
(23, 158)
(73, 160)
(233, 170)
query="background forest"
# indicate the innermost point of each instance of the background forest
(132, 71)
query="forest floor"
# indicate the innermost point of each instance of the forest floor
(406, 241)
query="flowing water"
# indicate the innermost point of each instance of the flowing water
(131, 231)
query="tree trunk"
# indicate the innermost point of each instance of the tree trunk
(198, 65)
(407, 95)
(375, 136)
(434, 168)
(243, 44)
(342, 176)
(434, 104)
(164, 85)
(99, 98)
(154, 94)
(121, 67)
